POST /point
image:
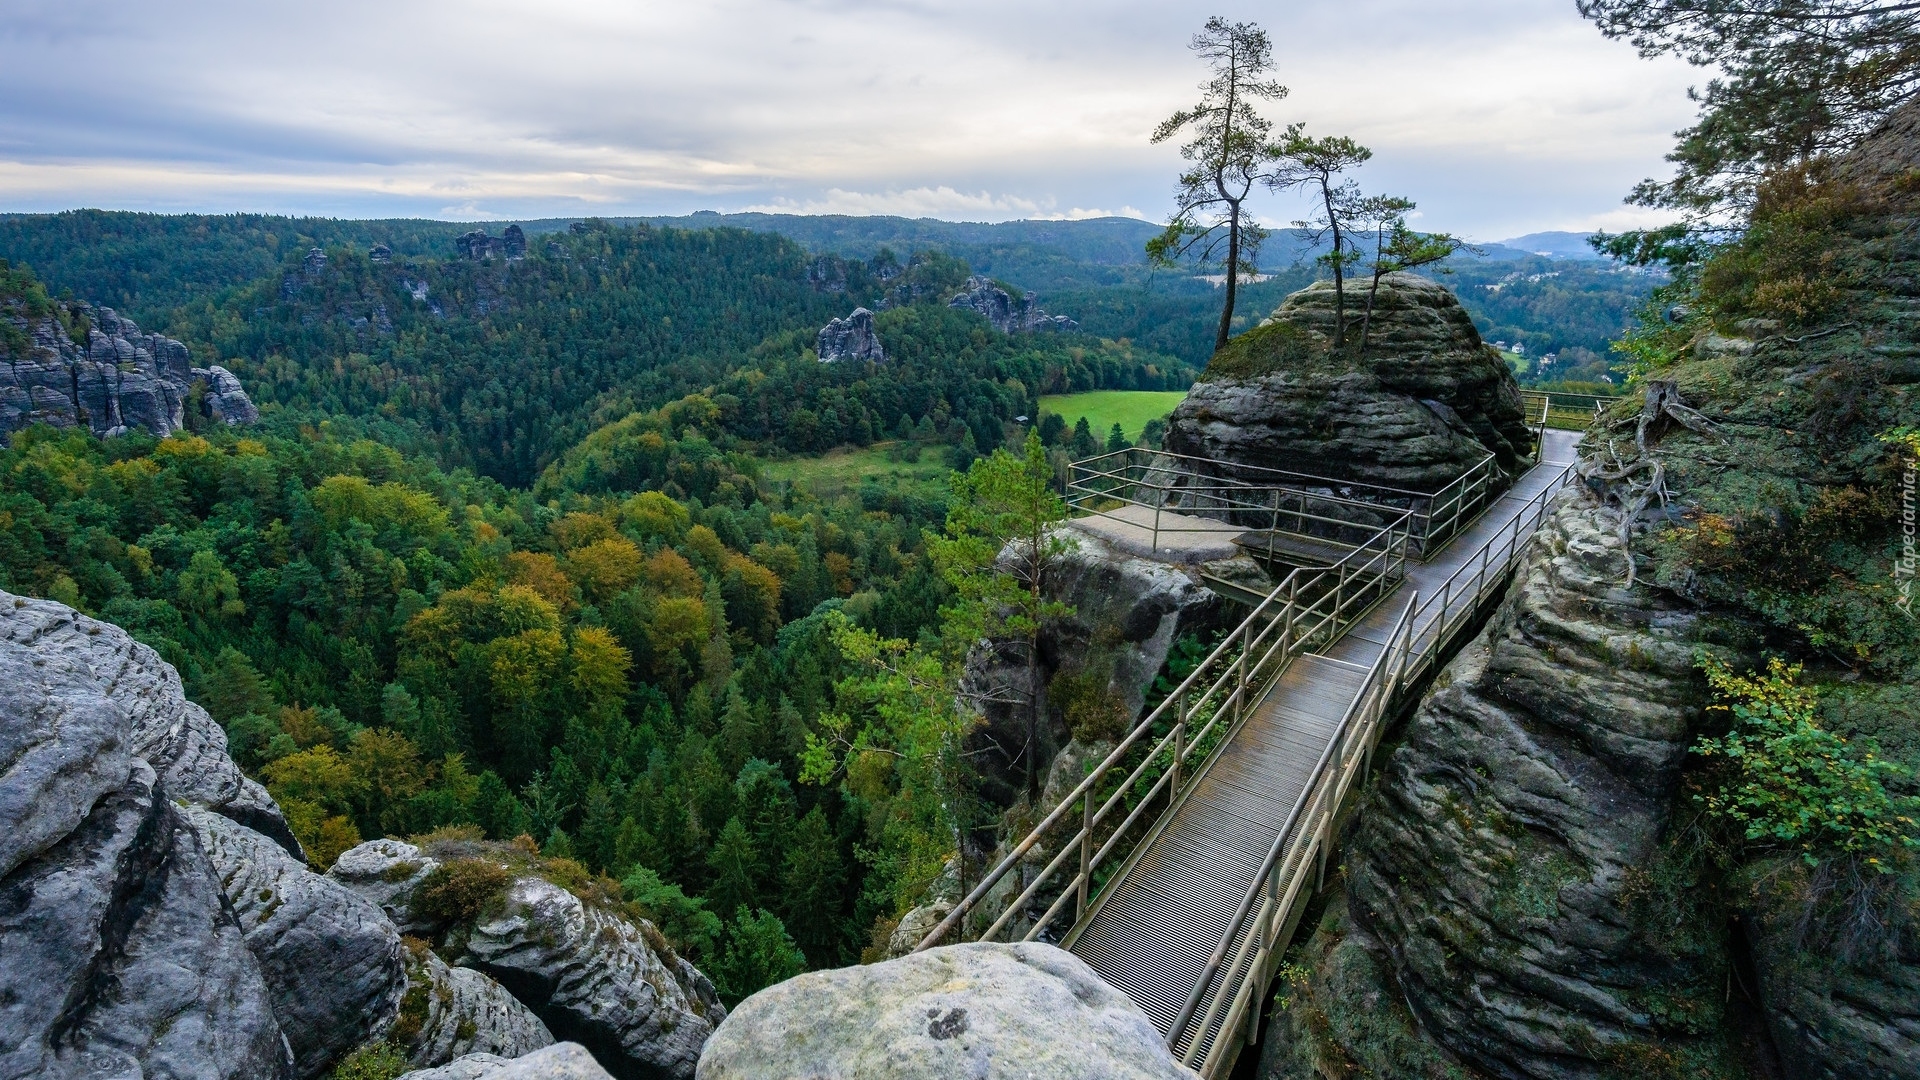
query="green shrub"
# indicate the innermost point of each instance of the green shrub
(374, 1061)
(1788, 783)
(460, 890)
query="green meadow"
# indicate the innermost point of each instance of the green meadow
(1131, 409)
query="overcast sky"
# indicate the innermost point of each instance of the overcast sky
(1498, 116)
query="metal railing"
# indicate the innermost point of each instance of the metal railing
(1310, 510)
(1565, 412)
(1414, 648)
(1311, 608)
(1241, 965)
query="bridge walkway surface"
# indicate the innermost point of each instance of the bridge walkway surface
(1156, 928)
(1191, 923)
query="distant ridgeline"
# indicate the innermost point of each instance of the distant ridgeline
(1537, 290)
(501, 353)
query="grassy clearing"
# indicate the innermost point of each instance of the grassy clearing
(1131, 409)
(883, 463)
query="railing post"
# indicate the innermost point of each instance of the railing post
(1179, 745)
(1086, 855)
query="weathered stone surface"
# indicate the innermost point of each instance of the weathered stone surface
(1006, 314)
(1835, 1016)
(113, 380)
(1128, 612)
(1425, 403)
(979, 1010)
(561, 1061)
(386, 872)
(1506, 848)
(851, 338)
(595, 977)
(450, 1012)
(119, 957)
(78, 658)
(332, 960)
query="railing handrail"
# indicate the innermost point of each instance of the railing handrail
(1302, 622)
(1308, 793)
(1238, 467)
(1405, 644)
(1309, 608)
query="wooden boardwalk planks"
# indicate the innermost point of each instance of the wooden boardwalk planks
(1154, 930)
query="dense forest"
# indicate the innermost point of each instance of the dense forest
(622, 662)
(151, 267)
(500, 553)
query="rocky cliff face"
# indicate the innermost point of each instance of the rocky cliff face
(157, 917)
(1425, 402)
(1096, 665)
(591, 972)
(1533, 887)
(1005, 313)
(112, 380)
(851, 338)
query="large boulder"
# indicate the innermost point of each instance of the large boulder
(982, 1010)
(331, 959)
(596, 977)
(107, 376)
(1425, 401)
(119, 954)
(561, 1061)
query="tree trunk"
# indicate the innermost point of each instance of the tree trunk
(1366, 321)
(1339, 277)
(1233, 277)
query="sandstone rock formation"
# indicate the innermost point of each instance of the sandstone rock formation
(1006, 314)
(594, 978)
(331, 959)
(103, 885)
(1506, 844)
(156, 915)
(851, 338)
(387, 873)
(586, 971)
(561, 1061)
(379, 253)
(1128, 613)
(1426, 402)
(114, 379)
(981, 1010)
(451, 1012)
(511, 244)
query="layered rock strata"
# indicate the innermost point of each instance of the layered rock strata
(1424, 403)
(1007, 314)
(113, 379)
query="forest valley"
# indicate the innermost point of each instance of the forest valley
(499, 558)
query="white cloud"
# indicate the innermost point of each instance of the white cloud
(1499, 116)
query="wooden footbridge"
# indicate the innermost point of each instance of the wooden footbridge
(1187, 856)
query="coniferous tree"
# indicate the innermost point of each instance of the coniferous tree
(1230, 153)
(734, 864)
(813, 890)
